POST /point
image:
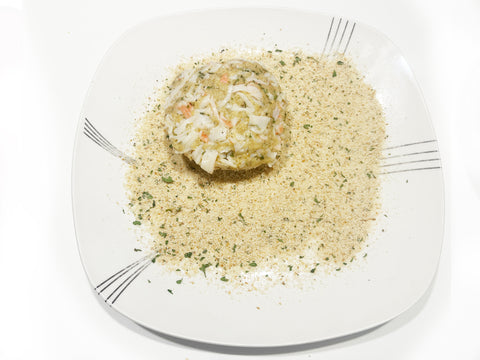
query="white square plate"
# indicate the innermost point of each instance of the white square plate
(401, 260)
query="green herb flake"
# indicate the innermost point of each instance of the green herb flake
(136, 250)
(204, 267)
(241, 217)
(163, 234)
(340, 62)
(282, 62)
(170, 291)
(278, 50)
(188, 255)
(334, 73)
(179, 281)
(234, 247)
(253, 264)
(167, 179)
(292, 184)
(136, 222)
(146, 195)
(223, 278)
(307, 126)
(316, 200)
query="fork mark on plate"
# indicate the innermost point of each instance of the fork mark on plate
(341, 37)
(335, 29)
(124, 277)
(406, 170)
(93, 134)
(415, 160)
(133, 277)
(410, 154)
(349, 38)
(335, 36)
(409, 144)
(328, 36)
(410, 162)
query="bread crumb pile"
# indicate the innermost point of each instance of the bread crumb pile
(312, 210)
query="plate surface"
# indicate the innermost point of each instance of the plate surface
(402, 259)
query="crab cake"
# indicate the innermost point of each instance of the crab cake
(226, 115)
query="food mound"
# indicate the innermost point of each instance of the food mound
(226, 115)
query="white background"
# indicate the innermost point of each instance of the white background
(49, 51)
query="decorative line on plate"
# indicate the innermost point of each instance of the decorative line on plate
(410, 154)
(402, 165)
(93, 134)
(410, 144)
(349, 38)
(409, 162)
(123, 278)
(337, 26)
(343, 34)
(406, 170)
(335, 36)
(328, 36)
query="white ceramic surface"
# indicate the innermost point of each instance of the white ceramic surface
(401, 260)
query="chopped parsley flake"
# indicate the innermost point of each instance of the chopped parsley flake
(204, 267)
(241, 217)
(146, 195)
(167, 179)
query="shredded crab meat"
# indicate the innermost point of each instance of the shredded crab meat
(216, 103)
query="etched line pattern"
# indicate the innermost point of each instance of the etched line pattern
(115, 285)
(413, 156)
(93, 134)
(339, 35)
